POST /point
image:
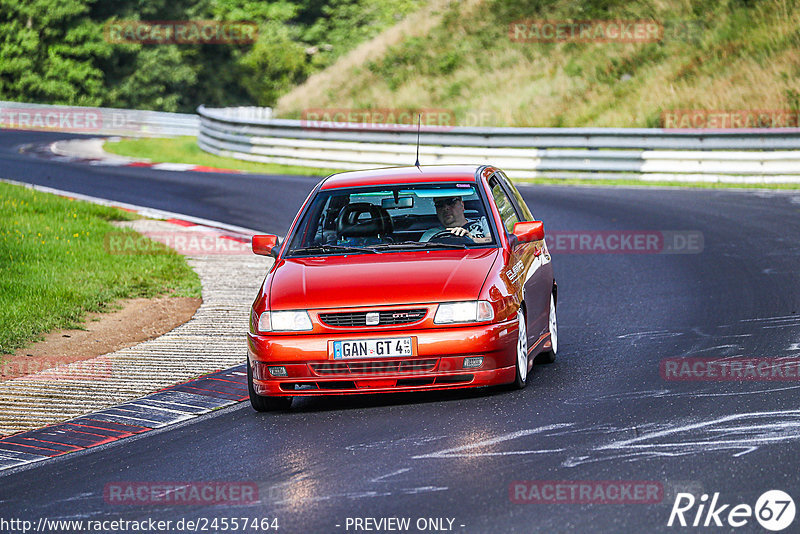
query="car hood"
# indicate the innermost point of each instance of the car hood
(385, 279)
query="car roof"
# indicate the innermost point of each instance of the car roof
(402, 175)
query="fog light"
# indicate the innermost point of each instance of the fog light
(475, 361)
(278, 370)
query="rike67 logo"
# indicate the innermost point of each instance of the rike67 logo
(774, 510)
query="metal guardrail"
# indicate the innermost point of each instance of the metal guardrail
(105, 121)
(763, 155)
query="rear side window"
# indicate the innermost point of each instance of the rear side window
(522, 208)
(504, 205)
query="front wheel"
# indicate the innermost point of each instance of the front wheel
(261, 403)
(522, 351)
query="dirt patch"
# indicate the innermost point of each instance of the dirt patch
(138, 320)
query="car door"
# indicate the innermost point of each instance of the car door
(517, 259)
(530, 262)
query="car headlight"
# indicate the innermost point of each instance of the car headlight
(284, 321)
(473, 311)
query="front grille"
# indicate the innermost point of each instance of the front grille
(303, 386)
(374, 368)
(454, 379)
(387, 317)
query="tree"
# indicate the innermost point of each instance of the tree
(47, 52)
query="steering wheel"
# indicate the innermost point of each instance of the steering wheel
(447, 235)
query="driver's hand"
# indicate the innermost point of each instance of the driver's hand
(458, 231)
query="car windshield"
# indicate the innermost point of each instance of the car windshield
(393, 218)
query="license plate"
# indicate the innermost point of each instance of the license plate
(372, 348)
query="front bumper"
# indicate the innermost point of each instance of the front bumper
(437, 363)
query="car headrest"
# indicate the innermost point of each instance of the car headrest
(353, 223)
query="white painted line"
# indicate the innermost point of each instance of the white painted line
(393, 473)
(108, 163)
(456, 451)
(173, 166)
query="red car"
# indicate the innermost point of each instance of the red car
(402, 279)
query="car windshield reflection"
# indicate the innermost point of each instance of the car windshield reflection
(388, 219)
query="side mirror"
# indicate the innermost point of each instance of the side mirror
(526, 232)
(265, 245)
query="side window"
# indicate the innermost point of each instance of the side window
(504, 205)
(521, 206)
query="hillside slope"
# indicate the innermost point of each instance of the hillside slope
(460, 56)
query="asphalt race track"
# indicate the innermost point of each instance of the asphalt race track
(602, 412)
(214, 196)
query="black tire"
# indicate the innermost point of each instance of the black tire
(265, 404)
(522, 345)
(550, 355)
(546, 357)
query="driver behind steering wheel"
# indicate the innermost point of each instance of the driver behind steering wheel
(450, 211)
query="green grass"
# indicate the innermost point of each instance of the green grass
(185, 150)
(54, 267)
(725, 55)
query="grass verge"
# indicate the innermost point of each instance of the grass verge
(185, 150)
(54, 267)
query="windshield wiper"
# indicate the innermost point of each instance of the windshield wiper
(421, 244)
(334, 248)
